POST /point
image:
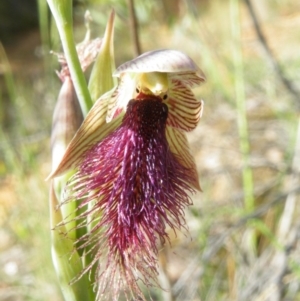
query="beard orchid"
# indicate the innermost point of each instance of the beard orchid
(134, 169)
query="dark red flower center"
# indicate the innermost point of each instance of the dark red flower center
(147, 117)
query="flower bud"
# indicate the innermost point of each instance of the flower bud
(67, 118)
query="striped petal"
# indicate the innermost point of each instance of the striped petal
(120, 96)
(162, 60)
(190, 79)
(179, 146)
(93, 129)
(184, 109)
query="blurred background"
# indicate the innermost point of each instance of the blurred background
(243, 232)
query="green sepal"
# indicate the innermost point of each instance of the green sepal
(101, 79)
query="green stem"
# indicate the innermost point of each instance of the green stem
(67, 263)
(241, 105)
(62, 12)
(44, 31)
(8, 75)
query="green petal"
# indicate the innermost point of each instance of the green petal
(179, 146)
(101, 79)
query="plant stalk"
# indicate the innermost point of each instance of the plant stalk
(240, 97)
(62, 12)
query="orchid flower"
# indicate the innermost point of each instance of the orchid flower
(134, 169)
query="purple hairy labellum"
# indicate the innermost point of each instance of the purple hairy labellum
(137, 186)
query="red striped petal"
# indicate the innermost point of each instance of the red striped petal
(179, 146)
(120, 96)
(162, 60)
(190, 79)
(184, 109)
(93, 129)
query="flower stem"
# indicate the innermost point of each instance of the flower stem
(241, 105)
(67, 263)
(239, 84)
(62, 12)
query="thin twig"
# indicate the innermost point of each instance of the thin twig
(134, 28)
(290, 204)
(286, 82)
